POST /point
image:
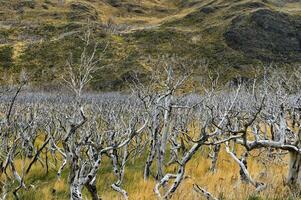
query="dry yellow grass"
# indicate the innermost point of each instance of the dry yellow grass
(225, 183)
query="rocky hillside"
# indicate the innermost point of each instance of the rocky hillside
(38, 35)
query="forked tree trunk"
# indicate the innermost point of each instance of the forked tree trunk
(76, 190)
(294, 172)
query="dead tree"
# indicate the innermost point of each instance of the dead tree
(158, 101)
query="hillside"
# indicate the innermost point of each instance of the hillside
(38, 35)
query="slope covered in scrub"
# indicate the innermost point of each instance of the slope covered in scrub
(38, 35)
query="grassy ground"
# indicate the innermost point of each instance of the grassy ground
(225, 183)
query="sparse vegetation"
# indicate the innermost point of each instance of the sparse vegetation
(190, 29)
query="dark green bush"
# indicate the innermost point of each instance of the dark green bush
(6, 54)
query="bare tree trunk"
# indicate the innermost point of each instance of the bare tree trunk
(150, 159)
(204, 192)
(215, 157)
(164, 138)
(243, 176)
(119, 173)
(93, 190)
(294, 171)
(154, 143)
(178, 179)
(75, 191)
(175, 146)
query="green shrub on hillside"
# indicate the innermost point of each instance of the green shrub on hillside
(6, 54)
